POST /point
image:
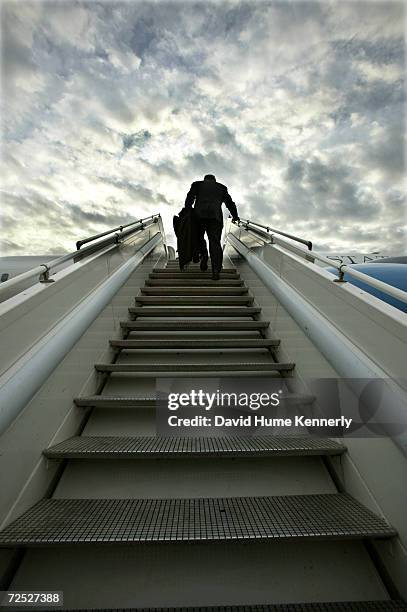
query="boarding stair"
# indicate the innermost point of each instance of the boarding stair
(226, 523)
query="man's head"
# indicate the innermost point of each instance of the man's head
(209, 177)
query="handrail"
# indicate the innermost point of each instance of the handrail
(307, 243)
(399, 294)
(24, 377)
(44, 269)
(120, 228)
(342, 268)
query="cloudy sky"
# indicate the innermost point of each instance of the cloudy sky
(112, 109)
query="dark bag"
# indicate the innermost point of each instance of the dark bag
(186, 230)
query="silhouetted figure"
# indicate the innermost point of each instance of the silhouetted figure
(186, 228)
(208, 196)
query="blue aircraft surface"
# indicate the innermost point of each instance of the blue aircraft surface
(394, 274)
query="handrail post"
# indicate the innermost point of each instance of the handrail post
(158, 219)
(341, 273)
(271, 235)
(44, 276)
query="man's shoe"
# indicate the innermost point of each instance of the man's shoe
(215, 275)
(204, 263)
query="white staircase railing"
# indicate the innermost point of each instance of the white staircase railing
(361, 336)
(269, 235)
(40, 325)
(43, 270)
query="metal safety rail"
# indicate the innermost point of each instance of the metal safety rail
(57, 312)
(43, 270)
(253, 225)
(342, 268)
(141, 224)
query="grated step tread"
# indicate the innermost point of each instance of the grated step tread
(198, 290)
(85, 447)
(214, 325)
(194, 367)
(197, 270)
(193, 282)
(111, 401)
(136, 401)
(196, 344)
(198, 300)
(191, 275)
(67, 521)
(387, 605)
(194, 311)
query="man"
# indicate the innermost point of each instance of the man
(208, 196)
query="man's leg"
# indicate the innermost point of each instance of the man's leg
(214, 233)
(203, 251)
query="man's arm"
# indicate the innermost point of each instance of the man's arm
(231, 206)
(191, 195)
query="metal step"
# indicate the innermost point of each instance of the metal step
(194, 325)
(387, 605)
(112, 447)
(193, 282)
(148, 369)
(191, 275)
(197, 270)
(196, 344)
(191, 264)
(198, 300)
(175, 264)
(194, 290)
(138, 401)
(53, 522)
(194, 311)
(109, 401)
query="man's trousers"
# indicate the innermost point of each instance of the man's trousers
(213, 229)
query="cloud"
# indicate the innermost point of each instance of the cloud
(112, 109)
(143, 34)
(9, 246)
(383, 51)
(295, 170)
(93, 216)
(135, 190)
(136, 140)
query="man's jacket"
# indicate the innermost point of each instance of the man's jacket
(186, 230)
(208, 196)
